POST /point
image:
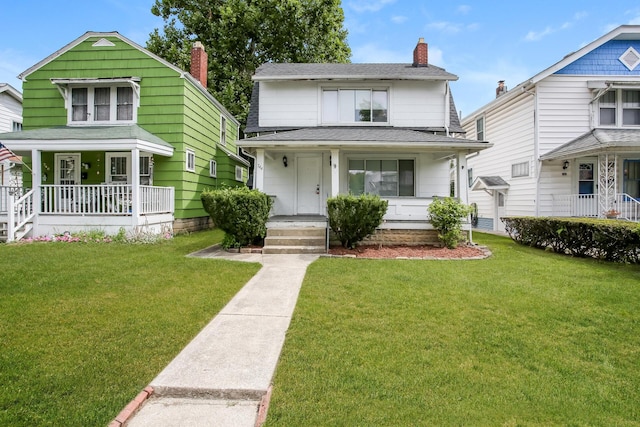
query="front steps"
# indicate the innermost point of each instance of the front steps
(295, 240)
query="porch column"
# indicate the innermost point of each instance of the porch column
(258, 171)
(462, 178)
(607, 185)
(36, 183)
(135, 186)
(335, 172)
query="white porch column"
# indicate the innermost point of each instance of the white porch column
(462, 178)
(135, 186)
(335, 172)
(36, 182)
(258, 171)
(607, 185)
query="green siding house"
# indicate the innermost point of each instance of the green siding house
(115, 136)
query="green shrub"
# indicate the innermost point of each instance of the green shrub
(609, 240)
(240, 212)
(352, 218)
(446, 215)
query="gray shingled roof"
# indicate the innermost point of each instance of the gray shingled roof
(595, 141)
(305, 71)
(360, 136)
(85, 133)
(489, 183)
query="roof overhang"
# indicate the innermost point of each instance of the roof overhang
(489, 183)
(234, 156)
(598, 141)
(10, 90)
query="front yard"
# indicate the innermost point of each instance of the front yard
(85, 327)
(523, 338)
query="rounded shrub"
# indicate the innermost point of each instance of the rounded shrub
(446, 215)
(352, 218)
(240, 212)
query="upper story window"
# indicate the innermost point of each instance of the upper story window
(349, 106)
(480, 129)
(223, 130)
(620, 107)
(100, 101)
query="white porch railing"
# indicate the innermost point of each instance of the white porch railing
(588, 205)
(107, 199)
(17, 212)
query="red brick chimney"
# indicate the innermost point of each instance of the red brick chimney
(421, 54)
(199, 63)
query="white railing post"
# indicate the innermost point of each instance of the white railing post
(11, 219)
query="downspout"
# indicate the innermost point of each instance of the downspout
(536, 147)
(447, 107)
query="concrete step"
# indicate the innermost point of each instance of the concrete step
(297, 231)
(294, 241)
(294, 249)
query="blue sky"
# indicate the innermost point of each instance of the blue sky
(479, 41)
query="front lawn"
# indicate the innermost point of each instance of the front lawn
(526, 337)
(85, 327)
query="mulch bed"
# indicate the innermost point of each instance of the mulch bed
(428, 252)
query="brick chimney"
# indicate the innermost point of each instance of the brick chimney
(421, 54)
(199, 63)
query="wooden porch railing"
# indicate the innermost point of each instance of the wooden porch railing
(107, 199)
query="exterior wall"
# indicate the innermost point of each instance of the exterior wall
(411, 103)
(10, 112)
(511, 128)
(170, 107)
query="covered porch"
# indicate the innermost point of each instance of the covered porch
(605, 182)
(123, 197)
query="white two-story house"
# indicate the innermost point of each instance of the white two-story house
(10, 121)
(319, 130)
(566, 142)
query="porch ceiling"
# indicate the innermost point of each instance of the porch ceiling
(362, 137)
(86, 138)
(598, 141)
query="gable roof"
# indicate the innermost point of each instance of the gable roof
(314, 71)
(11, 91)
(103, 35)
(623, 32)
(489, 183)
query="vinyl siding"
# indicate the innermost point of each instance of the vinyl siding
(284, 104)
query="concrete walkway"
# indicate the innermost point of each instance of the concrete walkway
(222, 376)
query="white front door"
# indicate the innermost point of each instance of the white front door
(308, 191)
(500, 209)
(67, 174)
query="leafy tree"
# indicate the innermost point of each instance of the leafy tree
(240, 35)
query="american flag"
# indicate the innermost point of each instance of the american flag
(5, 153)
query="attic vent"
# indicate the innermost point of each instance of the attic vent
(630, 58)
(103, 43)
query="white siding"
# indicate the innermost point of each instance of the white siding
(563, 109)
(511, 129)
(411, 104)
(286, 104)
(10, 111)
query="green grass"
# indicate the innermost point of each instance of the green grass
(85, 327)
(526, 337)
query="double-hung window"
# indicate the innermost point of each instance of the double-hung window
(223, 130)
(384, 177)
(619, 107)
(480, 129)
(350, 106)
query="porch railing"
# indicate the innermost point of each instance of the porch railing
(105, 199)
(8, 192)
(588, 205)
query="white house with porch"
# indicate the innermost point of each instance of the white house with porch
(566, 142)
(319, 130)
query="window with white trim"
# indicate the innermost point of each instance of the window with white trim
(384, 177)
(480, 129)
(102, 105)
(213, 168)
(238, 173)
(223, 130)
(619, 108)
(349, 106)
(190, 160)
(519, 169)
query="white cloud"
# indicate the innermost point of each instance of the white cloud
(445, 27)
(361, 6)
(533, 36)
(464, 9)
(397, 19)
